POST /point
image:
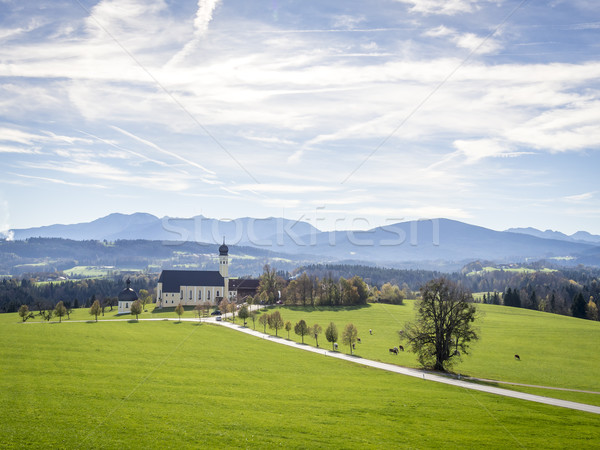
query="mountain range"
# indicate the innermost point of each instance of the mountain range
(580, 236)
(415, 242)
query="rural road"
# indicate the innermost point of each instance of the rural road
(418, 373)
(384, 366)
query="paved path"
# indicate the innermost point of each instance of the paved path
(378, 365)
(418, 373)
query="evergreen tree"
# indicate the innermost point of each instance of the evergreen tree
(578, 308)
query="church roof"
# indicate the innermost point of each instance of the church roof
(223, 249)
(172, 280)
(127, 294)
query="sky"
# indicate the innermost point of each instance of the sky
(346, 114)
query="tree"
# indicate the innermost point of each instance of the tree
(224, 306)
(391, 294)
(331, 333)
(60, 310)
(69, 310)
(136, 308)
(275, 321)
(443, 327)
(206, 305)
(288, 327)
(25, 313)
(316, 330)
(243, 313)
(232, 309)
(253, 315)
(263, 320)
(96, 309)
(349, 336)
(301, 329)
(592, 310)
(145, 297)
(179, 310)
(270, 284)
(199, 308)
(578, 307)
(47, 314)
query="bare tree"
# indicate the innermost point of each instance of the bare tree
(316, 330)
(443, 327)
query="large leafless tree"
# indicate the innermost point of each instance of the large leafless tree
(443, 327)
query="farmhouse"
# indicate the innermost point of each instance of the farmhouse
(190, 287)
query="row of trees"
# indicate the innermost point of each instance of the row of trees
(310, 290)
(275, 322)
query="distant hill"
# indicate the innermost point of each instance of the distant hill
(437, 244)
(580, 236)
(148, 227)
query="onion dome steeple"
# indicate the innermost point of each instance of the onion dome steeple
(223, 249)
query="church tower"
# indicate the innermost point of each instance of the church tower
(224, 266)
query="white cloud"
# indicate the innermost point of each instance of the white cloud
(445, 7)
(478, 149)
(469, 41)
(204, 16)
(579, 198)
(166, 152)
(347, 22)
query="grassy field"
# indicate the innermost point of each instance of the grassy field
(95, 271)
(166, 384)
(555, 350)
(510, 269)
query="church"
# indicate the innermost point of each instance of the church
(191, 287)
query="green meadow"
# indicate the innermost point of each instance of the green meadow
(172, 385)
(555, 350)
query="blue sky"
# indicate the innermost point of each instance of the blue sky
(347, 114)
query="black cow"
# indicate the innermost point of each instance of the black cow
(517, 357)
(401, 348)
(394, 350)
(359, 341)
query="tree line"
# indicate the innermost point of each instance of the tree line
(76, 293)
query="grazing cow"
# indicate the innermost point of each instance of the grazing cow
(359, 341)
(370, 331)
(401, 348)
(394, 350)
(353, 346)
(335, 345)
(517, 357)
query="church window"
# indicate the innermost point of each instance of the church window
(208, 295)
(217, 293)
